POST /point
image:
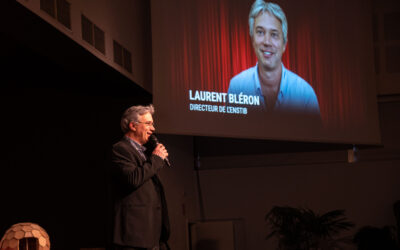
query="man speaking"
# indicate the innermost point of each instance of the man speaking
(140, 217)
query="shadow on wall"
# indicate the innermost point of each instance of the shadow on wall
(371, 238)
(384, 238)
(207, 245)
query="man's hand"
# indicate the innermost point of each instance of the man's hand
(161, 151)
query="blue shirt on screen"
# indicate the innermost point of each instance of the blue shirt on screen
(295, 94)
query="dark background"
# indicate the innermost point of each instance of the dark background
(59, 118)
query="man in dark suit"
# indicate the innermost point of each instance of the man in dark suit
(140, 217)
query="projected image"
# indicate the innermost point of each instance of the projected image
(288, 70)
(277, 88)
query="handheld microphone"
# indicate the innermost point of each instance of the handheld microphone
(154, 139)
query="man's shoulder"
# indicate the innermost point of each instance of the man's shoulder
(242, 81)
(299, 94)
(122, 143)
(245, 75)
(297, 83)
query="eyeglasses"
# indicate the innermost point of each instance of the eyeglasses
(149, 124)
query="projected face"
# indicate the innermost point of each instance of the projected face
(143, 128)
(268, 41)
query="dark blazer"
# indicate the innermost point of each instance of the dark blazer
(140, 217)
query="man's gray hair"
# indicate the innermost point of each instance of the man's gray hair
(132, 115)
(259, 6)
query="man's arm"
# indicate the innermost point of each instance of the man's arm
(127, 169)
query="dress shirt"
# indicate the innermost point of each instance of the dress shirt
(295, 94)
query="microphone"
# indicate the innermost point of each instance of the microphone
(154, 139)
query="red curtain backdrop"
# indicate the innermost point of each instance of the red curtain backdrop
(206, 42)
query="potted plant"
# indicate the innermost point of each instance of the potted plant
(302, 229)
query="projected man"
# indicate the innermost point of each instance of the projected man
(279, 89)
(140, 217)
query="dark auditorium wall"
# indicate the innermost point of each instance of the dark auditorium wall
(60, 116)
(60, 110)
(246, 187)
(57, 127)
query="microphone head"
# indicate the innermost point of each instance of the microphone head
(153, 138)
(151, 143)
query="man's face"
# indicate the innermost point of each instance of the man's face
(268, 41)
(143, 128)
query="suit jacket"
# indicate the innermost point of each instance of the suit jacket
(140, 216)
